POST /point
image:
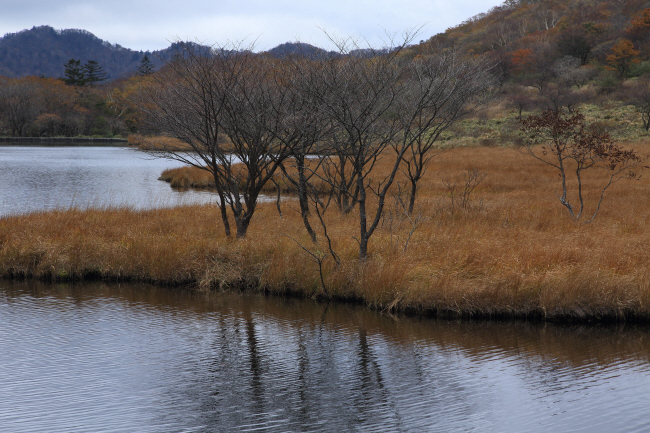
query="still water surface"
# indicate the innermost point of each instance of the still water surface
(34, 178)
(129, 358)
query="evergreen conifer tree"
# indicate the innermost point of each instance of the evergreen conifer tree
(146, 66)
(93, 72)
(74, 76)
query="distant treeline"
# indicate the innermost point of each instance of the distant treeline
(47, 107)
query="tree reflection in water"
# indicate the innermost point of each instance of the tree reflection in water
(154, 359)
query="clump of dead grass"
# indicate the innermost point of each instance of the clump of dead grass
(157, 143)
(198, 178)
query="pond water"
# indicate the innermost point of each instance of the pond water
(137, 358)
(35, 178)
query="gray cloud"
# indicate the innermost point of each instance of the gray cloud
(151, 25)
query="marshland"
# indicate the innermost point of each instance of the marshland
(507, 248)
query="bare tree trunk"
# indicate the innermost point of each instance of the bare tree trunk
(363, 224)
(222, 200)
(242, 226)
(303, 200)
(305, 220)
(580, 199)
(414, 188)
(224, 213)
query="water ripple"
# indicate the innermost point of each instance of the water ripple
(139, 359)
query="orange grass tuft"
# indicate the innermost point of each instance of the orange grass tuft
(513, 252)
(194, 177)
(157, 143)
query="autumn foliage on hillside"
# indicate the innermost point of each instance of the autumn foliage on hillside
(522, 33)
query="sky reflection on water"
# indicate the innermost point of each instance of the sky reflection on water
(140, 358)
(35, 178)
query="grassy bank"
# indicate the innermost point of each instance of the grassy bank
(196, 178)
(510, 251)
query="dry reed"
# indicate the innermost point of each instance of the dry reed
(512, 251)
(157, 143)
(194, 177)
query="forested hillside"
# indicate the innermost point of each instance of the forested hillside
(299, 48)
(525, 36)
(42, 51)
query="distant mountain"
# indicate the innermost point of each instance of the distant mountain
(301, 49)
(44, 50)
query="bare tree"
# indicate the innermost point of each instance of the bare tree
(338, 87)
(222, 103)
(379, 105)
(460, 188)
(185, 102)
(640, 98)
(542, 72)
(559, 96)
(244, 117)
(254, 121)
(568, 145)
(440, 89)
(548, 17)
(520, 98)
(20, 104)
(304, 129)
(359, 92)
(569, 70)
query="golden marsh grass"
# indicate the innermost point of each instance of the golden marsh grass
(513, 252)
(193, 177)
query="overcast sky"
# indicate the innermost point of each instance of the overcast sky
(152, 24)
